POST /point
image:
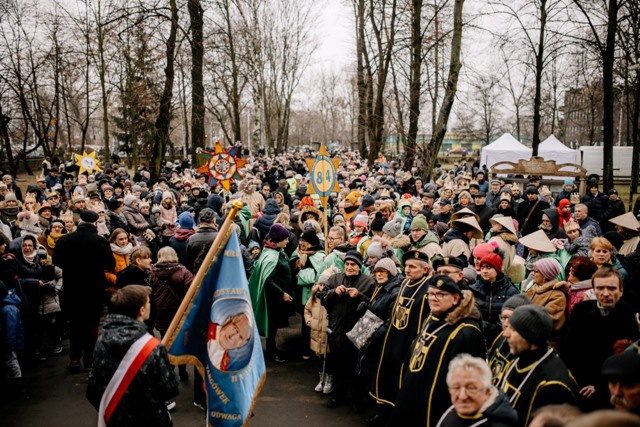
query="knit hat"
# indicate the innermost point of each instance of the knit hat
(185, 220)
(361, 220)
(367, 200)
(493, 260)
(277, 233)
(375, 250)
(310, 237)
(516, 301)
(338, 217)
(533, 323)
(568, 181)
(89, 216)
(167, 195)
(419, 223)
(531, 189)
(393, 228)
(129, 199)
(484, 249)
(10, 197)
(548, 267)
(388, 265)
(378, 223)
(353, 256)
(445, 283)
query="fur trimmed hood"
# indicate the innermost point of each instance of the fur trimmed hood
(466, 309)
(400, 242)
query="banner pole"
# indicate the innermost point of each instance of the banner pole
(218, 242)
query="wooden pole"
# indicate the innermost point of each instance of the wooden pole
(326, 229)
(214, 249)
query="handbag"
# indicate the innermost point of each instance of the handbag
(361, 333)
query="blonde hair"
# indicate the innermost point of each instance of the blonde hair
(167, 254)
(601, 242)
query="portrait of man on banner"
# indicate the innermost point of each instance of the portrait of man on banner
(230, 332)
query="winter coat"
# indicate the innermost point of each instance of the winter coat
(11, 330)
(429, 244)
(533, 211)
(83, 256)
(205, 235)
(552, 299)
(136, 224)
(170, 283)
(50, 292)
(315, 316)
(580, 246)
(489, 298)
(144, 403)
(588, 221)
(122, 261)
(599, 208)
(456, 244)
(262, 225)
(485, 212)
(495, 412)
(556, 231)
(133, 275)
(179, 242)
(169, 219)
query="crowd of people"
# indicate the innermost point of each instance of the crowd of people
(493, 299)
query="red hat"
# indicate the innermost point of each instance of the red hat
(484, 249)
(493, 260)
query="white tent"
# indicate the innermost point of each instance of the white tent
(552, 149)
(505, 148)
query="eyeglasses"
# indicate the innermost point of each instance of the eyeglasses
(535, 271)
(471, 389)
(504, 318)
(437, 295)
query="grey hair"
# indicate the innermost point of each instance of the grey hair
(467, 362)
(583, 206)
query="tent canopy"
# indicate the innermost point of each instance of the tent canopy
(506, 148)
(552, 149)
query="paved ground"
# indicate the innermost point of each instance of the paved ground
(56, 397)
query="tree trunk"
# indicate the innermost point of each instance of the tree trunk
(414, 83)
(164, 116)
(635, 136)
(105, 100)
(361, 80)
(429, 154)
(539, 70)
(608, 60)
(197, 60)
(4, 123)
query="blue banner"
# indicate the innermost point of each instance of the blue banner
(218, 334)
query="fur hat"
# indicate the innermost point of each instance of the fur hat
(493, 260)
(533, 323)
(548, 267)
(388, 265)
(277, 233)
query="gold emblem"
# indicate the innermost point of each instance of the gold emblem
(402, 312)
(439, 283)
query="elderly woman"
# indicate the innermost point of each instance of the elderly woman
(602, 254)
(578, 285)
(51, 235)
(475, 400)
(545, 291)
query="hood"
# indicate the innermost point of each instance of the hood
(120, 331)
(215, 202)
(271, 207)
(455, 234)
(464, 310)
(430, 237)
(165, 270)
(12, 299)
(497, 409)
(552, 213)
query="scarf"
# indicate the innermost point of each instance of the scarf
(122, 251)
(29, 258)
(52, 238)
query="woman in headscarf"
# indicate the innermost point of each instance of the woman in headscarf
(51, 235)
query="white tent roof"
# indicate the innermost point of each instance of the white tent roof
(505, 148)
(552, 149)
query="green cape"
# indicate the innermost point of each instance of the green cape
(261, 272)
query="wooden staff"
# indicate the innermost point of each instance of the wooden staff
(214, 249)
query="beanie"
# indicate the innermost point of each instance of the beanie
(361, 220)
(548, 267)
(441, 228)
(419, 223)
(310, 237)
(388, 265)
(10, 197)
(378, 222)
(367, 200)
(532, 189)
(167, 195)
(493, 260)
(568, 181)
(185, 220)
(353, 256)
(533, 322)
(253, 244)
(484, 249)
(393, 228)
(89, 216)
(129, 199)
(338, 217)
(375, 250)
(277, 233)
(516, 301)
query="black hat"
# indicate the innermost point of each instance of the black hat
(89, 216)
(445, 202)
(367, 200)
(429, 195)
(612, 191)
(445, 283)
(625, 365)
(377, 223)
(354, 256)
(207, 215)
(415, 255)
(114, 204)
(310, 237)
(480, 194)
(531, 189)
(533, 322)
(449, 261)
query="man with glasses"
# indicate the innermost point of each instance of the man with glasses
(450, 329)
(407, 319)
(53, 198)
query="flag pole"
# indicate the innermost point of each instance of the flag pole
(214, 249)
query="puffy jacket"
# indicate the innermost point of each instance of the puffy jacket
(136, 224)
(315, 316)
(490, 298)
(262, 225)
(598, 206)
(11, 323)
(170, 282)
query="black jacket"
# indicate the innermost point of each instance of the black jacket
(498, 414)
(205, 235)
(489, 299)
(533, 211)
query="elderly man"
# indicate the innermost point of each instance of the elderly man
(12, 187)
(623, 373)
(581, 213)
(475, 400)
(599, 328)
(537, 377)
(407, 319)
(451, 328)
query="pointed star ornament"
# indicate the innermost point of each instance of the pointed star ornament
(87, 162)
(222, 166)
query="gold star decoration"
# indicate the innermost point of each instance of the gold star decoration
(87, 162)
